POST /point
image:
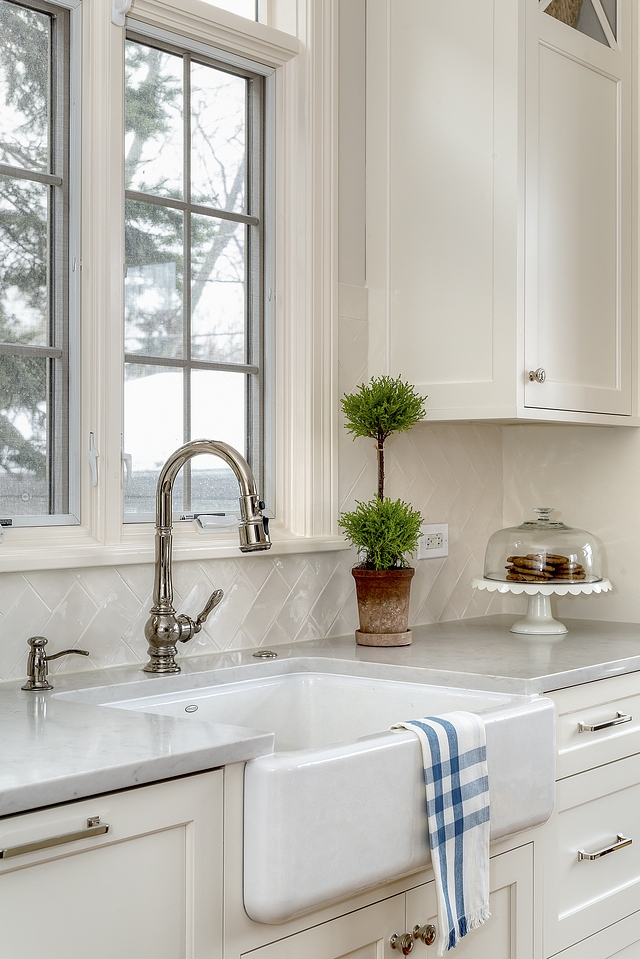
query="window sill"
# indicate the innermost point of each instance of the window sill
(24, 550)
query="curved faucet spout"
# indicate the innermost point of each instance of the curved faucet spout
(164, 628)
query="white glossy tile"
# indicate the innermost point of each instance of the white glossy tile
(12, 587)
(111, 621)
(264, 608)
(70, 618)
(51, 584)
(24, 619)
(229, 615)
(331, 600)
(98, 582)
(139, 579)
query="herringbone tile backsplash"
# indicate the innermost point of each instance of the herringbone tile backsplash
(453, 474)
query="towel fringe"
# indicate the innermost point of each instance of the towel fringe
(473, 921)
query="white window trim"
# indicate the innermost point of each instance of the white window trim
(303, 399)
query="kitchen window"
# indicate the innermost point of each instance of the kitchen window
(147, 308)
(39, 269)
(194, 270)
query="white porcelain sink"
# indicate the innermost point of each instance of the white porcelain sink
(339, 806)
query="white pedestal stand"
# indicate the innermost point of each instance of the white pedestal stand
(539, 620)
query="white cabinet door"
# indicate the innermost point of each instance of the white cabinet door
(500, 210)
(151, 888)
(442, 201)
(509, 933)
(364, 934)
(579, 213)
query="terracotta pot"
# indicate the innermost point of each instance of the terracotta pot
(383, 605)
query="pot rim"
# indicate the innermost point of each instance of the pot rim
(399, 573)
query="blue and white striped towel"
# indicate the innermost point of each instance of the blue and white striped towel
(455, 772)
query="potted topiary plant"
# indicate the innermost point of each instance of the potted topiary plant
(386, 531)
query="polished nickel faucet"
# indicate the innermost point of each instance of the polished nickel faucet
(164, 628)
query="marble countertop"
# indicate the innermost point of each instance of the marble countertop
(55, 749)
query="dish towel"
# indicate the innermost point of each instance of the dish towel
(457, 787)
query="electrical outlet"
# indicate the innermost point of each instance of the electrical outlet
(434, 541)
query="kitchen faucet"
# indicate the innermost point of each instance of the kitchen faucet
(164, 628)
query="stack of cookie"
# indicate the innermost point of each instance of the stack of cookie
(543, 568)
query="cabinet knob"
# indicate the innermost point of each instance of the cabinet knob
(404, 943)
(426, 934)
(538, 376)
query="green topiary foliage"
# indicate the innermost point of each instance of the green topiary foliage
(385, 529)
(382, 407)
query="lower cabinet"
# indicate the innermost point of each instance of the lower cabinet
(594, 809)
(366, 933)
(149, 888)
(590, 848)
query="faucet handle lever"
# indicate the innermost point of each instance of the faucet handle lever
(210, 605)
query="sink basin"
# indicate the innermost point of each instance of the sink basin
(339, 806)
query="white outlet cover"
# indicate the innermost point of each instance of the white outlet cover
(428, 529)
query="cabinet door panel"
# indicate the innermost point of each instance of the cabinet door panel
(578, 321)
(363, 934)
(508, 934)
(81, 910)
(150, 888)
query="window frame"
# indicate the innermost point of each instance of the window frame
(302, 408)
(64, 311)
(256, 332)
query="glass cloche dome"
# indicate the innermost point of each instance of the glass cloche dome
(543, 551)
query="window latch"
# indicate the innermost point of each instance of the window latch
(127, 462)
(128, 466)
(119, 10)
(92, 456)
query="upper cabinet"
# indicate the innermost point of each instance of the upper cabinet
(500, 206)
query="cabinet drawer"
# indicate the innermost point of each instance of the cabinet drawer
(585, 896)
(620, 941)
(597, 704)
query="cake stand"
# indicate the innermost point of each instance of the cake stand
(539, 620)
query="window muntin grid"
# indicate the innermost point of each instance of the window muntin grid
(37, 486)
(194, 169)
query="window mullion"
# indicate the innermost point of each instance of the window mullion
(59, 266)
(186, 319)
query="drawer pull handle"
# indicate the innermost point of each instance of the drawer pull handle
(94, 828)
(620, 718)
(620, 843)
